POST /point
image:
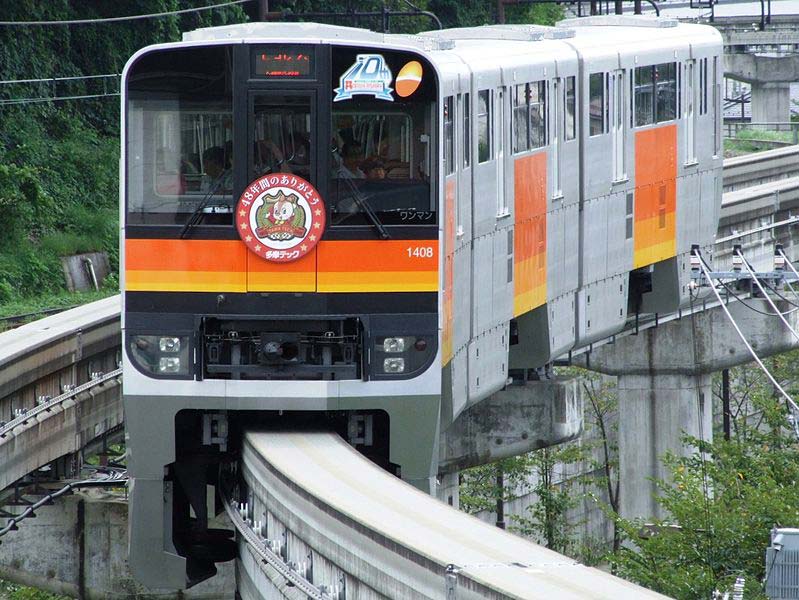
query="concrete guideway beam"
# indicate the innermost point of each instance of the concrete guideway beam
(771, 78)
(516, 420)
(664, 386)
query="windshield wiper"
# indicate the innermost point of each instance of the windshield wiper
(196, 216)
(363, 204)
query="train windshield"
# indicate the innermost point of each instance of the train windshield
(382, 142)
(380, 163)
(180, 136)
(371, 156)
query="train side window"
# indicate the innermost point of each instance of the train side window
(716, 107)
(449, 141)
(467, 130)
(666, 82)
(597, 104)
(703, 86)
(644, 96)
(538, 114)
(483, 126)
(520, 115)
(571, 105)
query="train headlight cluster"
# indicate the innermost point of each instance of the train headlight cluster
(165, 356)
(393, 344)
(400, 356)
(394, 365)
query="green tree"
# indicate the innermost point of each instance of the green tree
(721, 507)
(547, 519)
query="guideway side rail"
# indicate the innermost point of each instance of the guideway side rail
(351, 530)
(60, 387)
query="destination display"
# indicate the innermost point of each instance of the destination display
(284, 62)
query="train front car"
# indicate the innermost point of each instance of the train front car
(281, 264)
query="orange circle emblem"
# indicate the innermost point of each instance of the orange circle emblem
(408, 79)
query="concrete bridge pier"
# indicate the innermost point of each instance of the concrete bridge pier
(771, 102)
(770, 78)
(664, 386)
(656, 410)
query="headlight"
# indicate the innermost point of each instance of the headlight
(401, 356)
(394, 365)
(169, 344)
(165, 356)
(394, 344)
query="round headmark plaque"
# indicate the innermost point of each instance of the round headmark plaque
(280, 217)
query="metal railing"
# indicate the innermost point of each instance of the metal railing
(48, 405)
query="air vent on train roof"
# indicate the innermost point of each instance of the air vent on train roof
(620, 21)
(491, 32)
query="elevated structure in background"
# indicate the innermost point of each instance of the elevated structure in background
(766, 56)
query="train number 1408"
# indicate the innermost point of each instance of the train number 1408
(419, 251)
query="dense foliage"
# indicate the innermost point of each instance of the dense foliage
(59, 160)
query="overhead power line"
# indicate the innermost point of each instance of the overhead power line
(40, 99)
(118, 19)
(52, 79)
(751, 350)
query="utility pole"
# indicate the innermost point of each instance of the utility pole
(263, 10)
(725, 402)
(501, 12)
(500, 496)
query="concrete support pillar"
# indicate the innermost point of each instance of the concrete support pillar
(654, 412)
(447, 489)
(771, 102)
(664, 376)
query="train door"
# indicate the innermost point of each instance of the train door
(280, 142)
(689, 115)
(557, 132)
(617, 123)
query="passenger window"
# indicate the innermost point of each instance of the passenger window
(521, 135)
(569, 125)
(449, 142)
(644, 96)
(703, 86)
(666, 81)
(655, 94)
(538, 114)
(529, 116)
(597, 104)
(484, 126)
(467, 130)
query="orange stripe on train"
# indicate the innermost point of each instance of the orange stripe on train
(449, 273)
(655, 235)
(530, 235)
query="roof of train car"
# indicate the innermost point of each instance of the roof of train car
(470, 43)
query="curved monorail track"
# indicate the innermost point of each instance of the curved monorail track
(330, 513)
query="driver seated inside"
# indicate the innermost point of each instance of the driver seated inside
(218, 176)
(351, 158)
(374, 170)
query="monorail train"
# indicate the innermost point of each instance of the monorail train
(334, 228)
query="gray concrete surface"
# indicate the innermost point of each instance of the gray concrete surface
(770, 77)
(85, 271)
(78, 547)
(518, 419)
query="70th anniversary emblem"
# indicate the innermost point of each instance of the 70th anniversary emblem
(280, 217)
